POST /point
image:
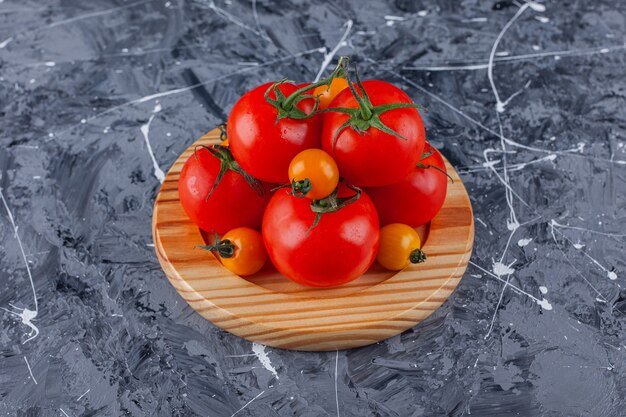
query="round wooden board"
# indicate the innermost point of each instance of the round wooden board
(267, 308)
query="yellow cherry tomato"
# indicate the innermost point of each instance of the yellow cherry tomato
(241, 250)
(399, 245)
(313, 174)
(327, 94)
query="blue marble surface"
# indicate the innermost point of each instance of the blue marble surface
(527, 100)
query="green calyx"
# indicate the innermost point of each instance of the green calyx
(301, 188)
(224, 248)
(425, 155)
(287, 106)
(366, 115)
(417, 256)
(228, 163)
(332, 203)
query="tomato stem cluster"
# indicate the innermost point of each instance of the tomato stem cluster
(420, 164)
(301, 188)
(224, 248)
(227, 162)
(332, 203)
(417, 256)
(286, 106)
(367, 115)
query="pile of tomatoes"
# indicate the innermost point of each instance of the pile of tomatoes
(307, 175)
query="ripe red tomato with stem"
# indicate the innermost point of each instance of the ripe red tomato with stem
(321, 243)
(374, 132)
(217, 194)
(418, 197)
(272, 123)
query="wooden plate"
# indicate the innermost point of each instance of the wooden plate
(267, 308)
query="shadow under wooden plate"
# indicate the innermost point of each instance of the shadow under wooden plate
(269, 309)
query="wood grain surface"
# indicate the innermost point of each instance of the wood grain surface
(267, 308)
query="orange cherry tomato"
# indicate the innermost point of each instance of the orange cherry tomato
(327, 94)
(399, 245)
(313, 174)
(241, 250)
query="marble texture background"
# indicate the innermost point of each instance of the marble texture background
(527, 100)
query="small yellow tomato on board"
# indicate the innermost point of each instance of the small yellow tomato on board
(327, 94)
(241, 250)
(399, 245)
(313, 174)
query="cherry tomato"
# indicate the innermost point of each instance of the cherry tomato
(237, 200)
(263, 146)
(399, 245)
(372, 157)
(314, 174)
(418, 197)
(327, 94)
(338, 249)
(241, 250)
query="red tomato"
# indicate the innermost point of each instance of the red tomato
(418, 197)
(340, 248)
(373, 157)
(262, 146)
(233, 203)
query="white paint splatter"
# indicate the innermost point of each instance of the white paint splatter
(30, 371)
(501, 269)
(612, 275)
(247, 404)
(542, 19)
(395, 18)
(500, 105)
(543, 303)
(422, 13)
(578, 245)
(524, 242)
(83, 394)
(225, 15)
(5, 42)
(194, 86)
(261, 354)
(543, 290)
(145, 131)
(26, 316)
(94, 14)
(523, 57)
(538, 7)
(328, 57)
